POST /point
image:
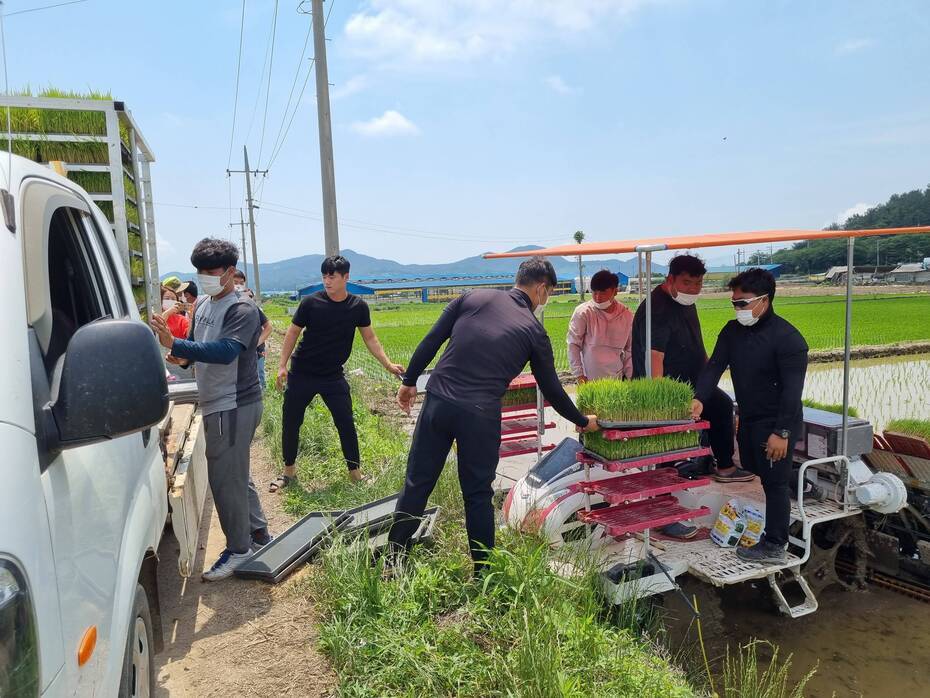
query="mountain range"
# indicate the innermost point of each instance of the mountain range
(296, 272)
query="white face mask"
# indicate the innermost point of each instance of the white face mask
(211, 285)
(745, 317)
(603, 306)
(540, 306)
(686, 298)
(168, 304)
(240, 287)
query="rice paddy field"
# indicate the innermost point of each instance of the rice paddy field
(877, 319)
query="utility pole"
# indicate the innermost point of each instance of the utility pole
(248, 189)
(327, 171)
(241, 226)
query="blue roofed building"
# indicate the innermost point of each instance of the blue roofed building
(430, 288)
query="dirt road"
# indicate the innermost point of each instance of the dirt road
(237, 637)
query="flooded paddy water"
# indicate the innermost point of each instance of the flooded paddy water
(871, 643)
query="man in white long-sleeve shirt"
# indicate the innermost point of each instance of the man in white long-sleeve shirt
(600, 333)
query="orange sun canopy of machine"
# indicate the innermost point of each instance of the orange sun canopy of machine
(690, 242)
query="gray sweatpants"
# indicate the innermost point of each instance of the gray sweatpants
(229, 435)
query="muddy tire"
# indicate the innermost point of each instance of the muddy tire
(138, 676)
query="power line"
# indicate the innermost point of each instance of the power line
(290, 96)
(274, 30)
(44, 7)
(280, 146)
(261, 82)
(232, 134)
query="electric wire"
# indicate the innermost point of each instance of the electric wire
(43, 7)
(232, 134)
(274, 30)
(290, 96)
(297, 104)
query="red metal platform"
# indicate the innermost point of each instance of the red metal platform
(521, 446)
(507, 409)
(648, 483)
(624, 434)
(524, 380)
(638, 516)
(615, 466)
(521, 424)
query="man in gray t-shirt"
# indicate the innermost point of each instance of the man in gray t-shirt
(222, 343)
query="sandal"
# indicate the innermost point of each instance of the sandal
(282, 481)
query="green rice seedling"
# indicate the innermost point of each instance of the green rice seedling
(911, 427)
(75, 152)
(643, 400)
(130, 187)
(132, 213)
(107, 208)
(135, 241)
(520, 396)
(91, 182)
(829, 407)
(136, 268)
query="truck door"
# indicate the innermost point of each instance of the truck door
(90, 491)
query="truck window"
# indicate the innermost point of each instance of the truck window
(119, 305)
(76, 286)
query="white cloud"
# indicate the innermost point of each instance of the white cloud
(446, 31)
(164, 247)
(856, 210)
(852, 46)
(390, 123)
(350, 87)
(557, 84)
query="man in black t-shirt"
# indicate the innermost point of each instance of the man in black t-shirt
(328, 320)
(678, 352)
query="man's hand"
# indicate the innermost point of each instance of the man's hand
(165, 338)
(697, 408)
(280, 380)
(776, 448)
(592, 425)
(581, 379)
(396, 369)
(406, 397)
(175, 360)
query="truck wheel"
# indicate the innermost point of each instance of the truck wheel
(138, 678)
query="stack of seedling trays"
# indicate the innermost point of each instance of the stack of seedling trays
(305, 539)
(523, 419)
(92, 140)
(644, 424)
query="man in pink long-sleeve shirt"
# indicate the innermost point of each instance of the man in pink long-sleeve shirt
(600, 333)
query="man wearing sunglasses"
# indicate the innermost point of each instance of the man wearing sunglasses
(767, 358)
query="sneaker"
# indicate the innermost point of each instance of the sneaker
(225, 565)
(814, 493)
(735, 475)
(680, 530)
(763, 553)
(260, 539)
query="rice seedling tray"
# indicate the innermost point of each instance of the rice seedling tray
(648, 483)
(622, 434)
(614, 466)
(521, 447)
(522, 424)
(294, 547)
(639, 516)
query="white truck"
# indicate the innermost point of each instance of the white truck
(83, 402)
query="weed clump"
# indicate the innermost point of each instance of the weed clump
(642, 400)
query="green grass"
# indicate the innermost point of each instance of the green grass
(746, 675)
(434, 631)
(829, 407)
(911, 427)
(637, 401)
(877, 319)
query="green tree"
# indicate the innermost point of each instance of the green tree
(579, 238)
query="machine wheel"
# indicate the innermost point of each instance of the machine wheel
(138, 678)
(820, 570)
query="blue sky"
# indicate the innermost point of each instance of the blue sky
(462, 126)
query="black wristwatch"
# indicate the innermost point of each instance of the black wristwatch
(784, 433)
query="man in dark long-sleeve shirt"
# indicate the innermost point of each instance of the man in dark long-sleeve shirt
(492, 334)
(767, 358)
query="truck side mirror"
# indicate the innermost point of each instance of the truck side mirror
(112, 383)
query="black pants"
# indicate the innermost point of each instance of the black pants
(718, 410)
(478, 441)
(336, 396)
(775, 476)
